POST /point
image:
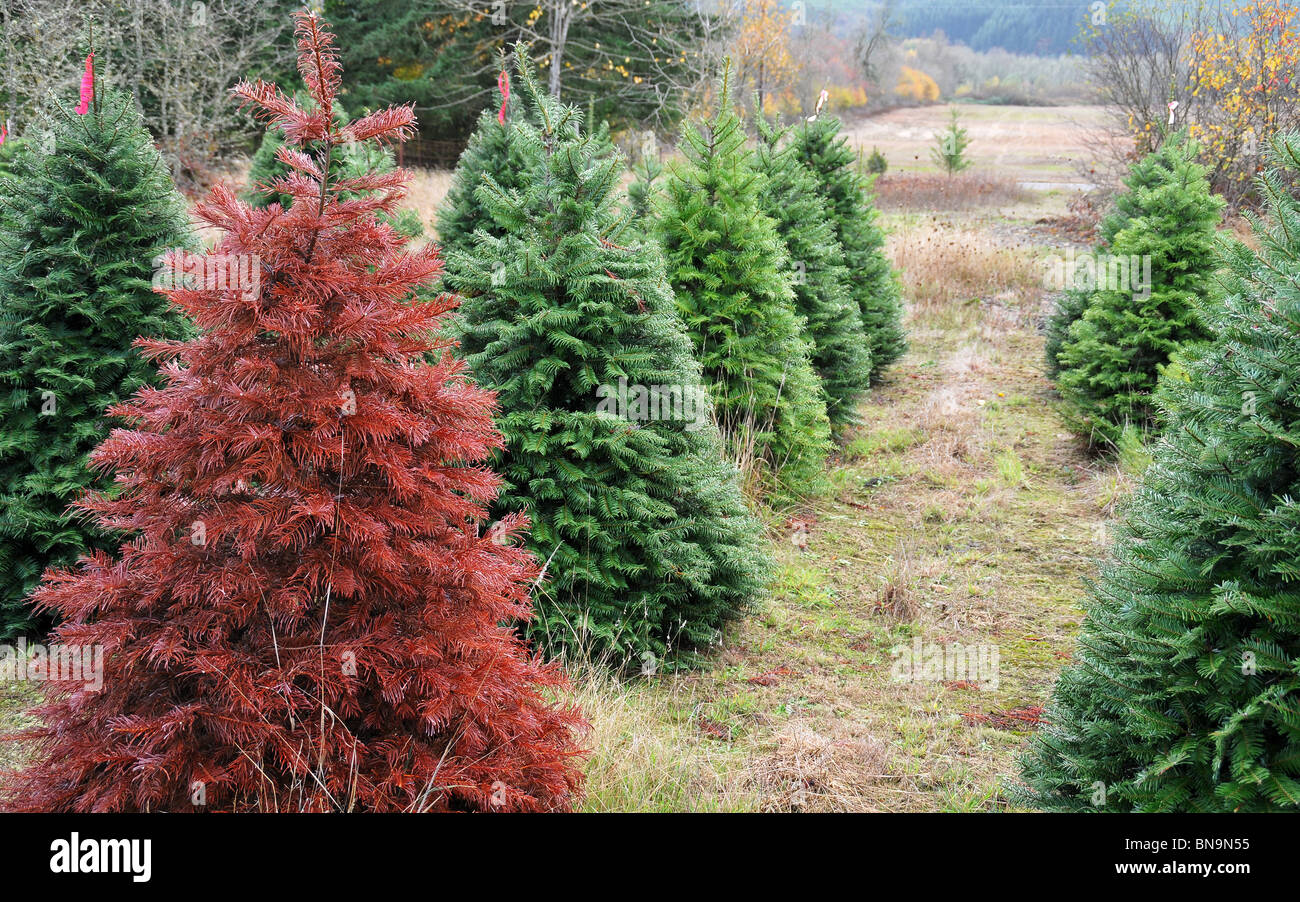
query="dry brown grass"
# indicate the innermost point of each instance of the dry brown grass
(943, 264)
(933, 192)
(647, 751)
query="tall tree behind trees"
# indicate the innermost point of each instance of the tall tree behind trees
(628, 60)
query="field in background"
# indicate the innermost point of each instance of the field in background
(962, 512)
(1037, 144)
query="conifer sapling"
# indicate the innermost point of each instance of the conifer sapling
(1152, 283)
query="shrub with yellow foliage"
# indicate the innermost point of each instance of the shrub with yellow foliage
(1247, 82)
(915, 85)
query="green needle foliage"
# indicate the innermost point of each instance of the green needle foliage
(840, 352)
(8, 153)
(1145, 175)
(83, 216)
(1112, 355)
(566, 314)
(641, 191)
(1069, 306)
(490, 152)
(1185, 690)
(730, 272)
(822, 149)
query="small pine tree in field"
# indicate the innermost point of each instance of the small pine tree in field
(489, 153)
(729, 270)
(610, 444)
(876, 163)
(1184, 693)
(1112, 355)
(950, 146)
(85, 213)
(348, 162)
(816, 269)
(825, 153)
(309, 616)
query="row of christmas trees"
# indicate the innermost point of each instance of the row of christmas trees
(638, 351)
(329, 557)
(721, 315)
(1184, 690)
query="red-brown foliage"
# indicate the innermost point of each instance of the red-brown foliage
(334, 641)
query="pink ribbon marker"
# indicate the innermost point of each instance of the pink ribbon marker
(503, 85)
(87, 86)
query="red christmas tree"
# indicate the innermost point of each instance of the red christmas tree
(308, 616)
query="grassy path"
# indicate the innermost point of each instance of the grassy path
(962, 515)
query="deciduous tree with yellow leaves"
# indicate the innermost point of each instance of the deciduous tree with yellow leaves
(766, 63)
(1247, 81)
(913, 84)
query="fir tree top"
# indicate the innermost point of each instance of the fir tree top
(490, 151)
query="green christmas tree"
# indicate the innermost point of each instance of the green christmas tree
(1152, 283)
(85, 215)
(821, 148)
(1184, 694)
(610, 444)
(1150, 171)
(356, 159)
(730, 271)
(816, 269)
